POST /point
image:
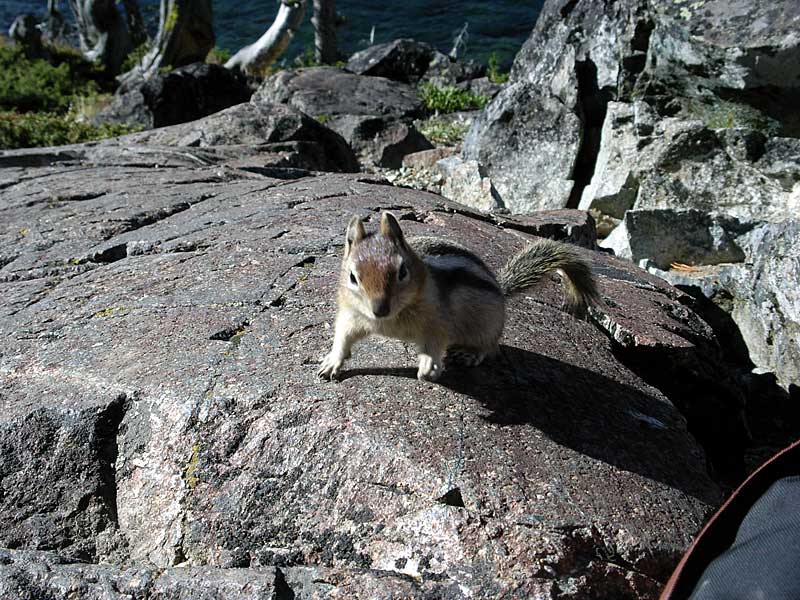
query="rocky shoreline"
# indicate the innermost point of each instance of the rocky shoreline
(166, 296)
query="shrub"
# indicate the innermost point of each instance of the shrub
(305, 59)
(218, 56)
(450, 99)
(135, 57)
(28, 130)
(29, 85)
(493, 70)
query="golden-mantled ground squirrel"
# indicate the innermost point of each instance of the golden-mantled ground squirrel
(437, 294)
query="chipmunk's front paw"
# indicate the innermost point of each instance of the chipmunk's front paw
(331, 366)
(430, 369)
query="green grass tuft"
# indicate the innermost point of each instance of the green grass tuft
(439, 131)
(218, 56)
(450, 99)
(493, 70)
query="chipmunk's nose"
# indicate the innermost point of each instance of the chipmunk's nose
(380, 307)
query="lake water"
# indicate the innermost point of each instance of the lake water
(493, 26)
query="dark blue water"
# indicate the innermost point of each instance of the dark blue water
(493, 26)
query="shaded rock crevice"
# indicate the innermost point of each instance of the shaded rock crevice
(107, 430)
(709, 398)
(591, 106)
(143, 219)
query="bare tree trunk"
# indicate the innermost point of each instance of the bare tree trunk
(103, 33)
(135, 22)
(256, 57)
(54, 27)
(185, 35)
(324, 21)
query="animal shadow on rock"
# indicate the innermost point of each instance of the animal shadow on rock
(579, 409)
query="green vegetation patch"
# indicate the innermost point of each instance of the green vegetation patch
(493, 70)
(28, 85)
(439, 131)
(30, 130)
(135, 56)
(218, 56)
(450, 99)
(47, 103)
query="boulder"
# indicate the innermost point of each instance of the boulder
(684, 165)
(619, 167)
(184, 94)
(521, 127)
(747, 268)
(332, 91)
(405, 60)
(760, 293)
(691, 63)
(670, 236)
(481, 86)
(444, 70)
(162, 329)
(744, 52)
(427, 159)
(257, 127)
(465, 182)
(410, 61)
(373, 114)
(552, 109)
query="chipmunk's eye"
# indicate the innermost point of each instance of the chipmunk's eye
(353, 279)
(402, 274)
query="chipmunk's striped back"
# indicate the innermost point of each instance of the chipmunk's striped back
(452, 266)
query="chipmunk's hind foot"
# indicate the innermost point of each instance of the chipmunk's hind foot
(464, 358)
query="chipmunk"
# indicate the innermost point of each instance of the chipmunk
(437, 294)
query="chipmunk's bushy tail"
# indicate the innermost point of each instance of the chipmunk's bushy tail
(528, 267)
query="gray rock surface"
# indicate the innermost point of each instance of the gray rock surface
(184, 94)
(689, 237)
(373, 114)
(162, 329)
(527, 145)
(747, 268)
(405, 60)
(760, 292)
(333, 91)
(445, 71)
(256, 127)
(680, 164)
(465, 181)
(715, 62)
(427, 159)
(24, 574)
(744, 51)
(410, 61)
(551, 112)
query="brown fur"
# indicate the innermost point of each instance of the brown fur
(449, 298)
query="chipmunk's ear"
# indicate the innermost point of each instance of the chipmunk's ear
(391, 228)
(355, 233)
